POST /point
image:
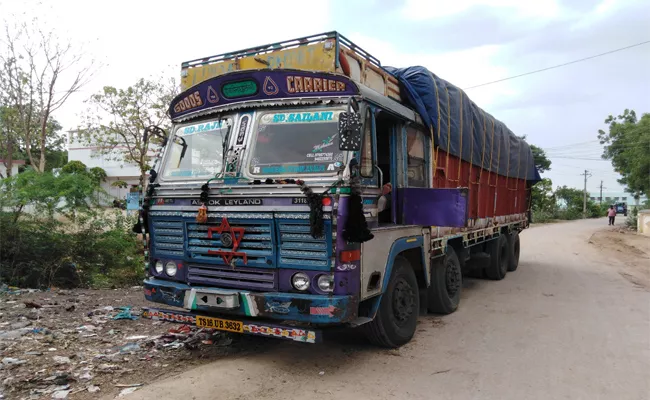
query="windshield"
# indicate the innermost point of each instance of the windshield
(296, 143)
(197, 150)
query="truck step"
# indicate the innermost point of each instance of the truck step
(360, 321)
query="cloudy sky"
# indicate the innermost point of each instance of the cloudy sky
(467, 42)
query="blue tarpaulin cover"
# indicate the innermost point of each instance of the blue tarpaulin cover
(462, 127)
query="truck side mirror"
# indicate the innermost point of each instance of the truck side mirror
(350, 128)
(154, 130)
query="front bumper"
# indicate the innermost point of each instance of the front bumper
(305, 308)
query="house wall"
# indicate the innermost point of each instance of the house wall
(14, 168)
(116, 170)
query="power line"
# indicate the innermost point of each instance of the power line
(578, 158)
(622, 146)
(568, 145)
(559, 65)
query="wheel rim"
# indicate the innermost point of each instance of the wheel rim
(452, 279)
(403, 302)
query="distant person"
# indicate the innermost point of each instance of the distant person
(611, 213)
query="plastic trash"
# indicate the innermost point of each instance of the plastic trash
(61, 394)
(12, 361)
(125, 313)
(129, 348)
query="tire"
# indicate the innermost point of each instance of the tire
(397, 317)
(443, 295)
(515, 249)
(499, 256)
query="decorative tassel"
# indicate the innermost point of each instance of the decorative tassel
(202, 216)
(356, 227)
(315, 202)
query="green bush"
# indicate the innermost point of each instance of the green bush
(632, 221)
(63, 240)
(96, 251)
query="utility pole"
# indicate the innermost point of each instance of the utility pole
(584, 197)
(601, 193)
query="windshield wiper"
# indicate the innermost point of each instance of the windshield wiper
(184, 144)
(224, 148)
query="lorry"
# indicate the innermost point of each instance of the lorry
(303, 186)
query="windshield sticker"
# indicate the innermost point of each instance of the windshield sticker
(201, 128)
(323, 116)
(185, 172)
(321, 156)
(243, 124)
(327, 142)
(293, 169)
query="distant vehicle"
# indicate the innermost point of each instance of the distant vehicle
(621, 208)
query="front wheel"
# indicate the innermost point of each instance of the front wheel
(446, 283)
(397, 317)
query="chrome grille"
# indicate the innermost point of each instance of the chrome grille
(260, 279)
(257, 243)
(299, 249)
(168, 238)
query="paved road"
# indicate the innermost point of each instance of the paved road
(566, 325)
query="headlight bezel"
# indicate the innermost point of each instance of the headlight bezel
(329, 278)
(170, 267)
(305, 277)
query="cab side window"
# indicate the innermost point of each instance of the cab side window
(366, 164)
(415, 148)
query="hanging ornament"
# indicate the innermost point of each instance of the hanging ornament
(202, 216)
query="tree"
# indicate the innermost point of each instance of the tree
(8, 138)
(38, 74)
(542, 196)
(542, 163)
(67, 193)
(627, 145)
(117, 119)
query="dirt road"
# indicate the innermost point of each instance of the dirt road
(566, 325)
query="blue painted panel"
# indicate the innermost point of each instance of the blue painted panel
(297, 249)
(320, 309)
(398, 247)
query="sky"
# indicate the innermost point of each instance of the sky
(466, 42)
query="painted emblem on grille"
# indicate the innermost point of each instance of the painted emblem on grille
(230, 237)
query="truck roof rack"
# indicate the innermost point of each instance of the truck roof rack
(324, 52)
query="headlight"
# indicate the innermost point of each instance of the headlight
(300, 281)
(170, 268)
(159, 267)
(326, 283)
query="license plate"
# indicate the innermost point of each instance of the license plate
(220, 324)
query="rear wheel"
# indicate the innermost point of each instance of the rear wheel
(499, 258)
(443, 295)
(397, 317)
(514, 246)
